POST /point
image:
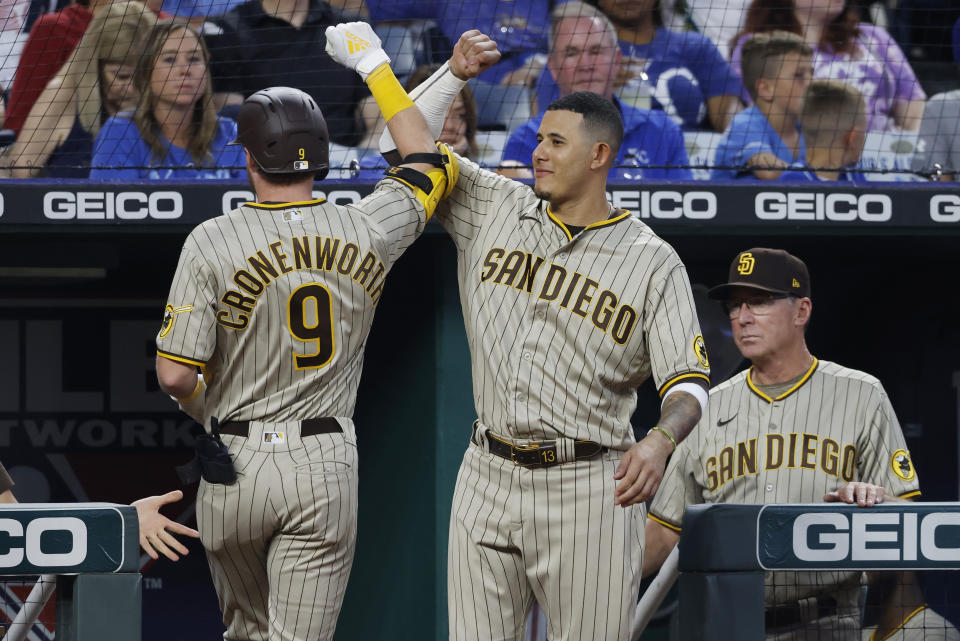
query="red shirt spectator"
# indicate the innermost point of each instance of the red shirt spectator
(52, 39)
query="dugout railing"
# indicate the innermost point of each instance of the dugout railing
(725, 549)
(92, 550)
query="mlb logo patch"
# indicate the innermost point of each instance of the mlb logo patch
(292, 216)
(274, 438)
(299, 165)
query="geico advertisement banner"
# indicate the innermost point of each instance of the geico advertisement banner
(67, 539)
(754, 203)
(886, 536)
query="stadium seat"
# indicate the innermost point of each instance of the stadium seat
(400, 44)
(501, 107)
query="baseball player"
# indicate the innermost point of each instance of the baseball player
(902, 613)
(790, 429)
(569, 305)
(156, 530)
(274, 302)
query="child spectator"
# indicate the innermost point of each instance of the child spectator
(860, 54)
(174, 132)
(834, 122)
(764, 139)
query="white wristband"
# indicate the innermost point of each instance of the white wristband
(433, 97)
(694, 390)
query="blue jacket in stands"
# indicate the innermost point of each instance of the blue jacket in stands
(649, 138)
(749, 134)
(800, 171)
(120, 147)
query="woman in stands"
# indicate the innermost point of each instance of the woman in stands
(860, 54)
(94, 84)
(682, 72)
(174, 131)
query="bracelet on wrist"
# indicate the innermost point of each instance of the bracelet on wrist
(665, 433)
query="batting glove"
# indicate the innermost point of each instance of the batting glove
(356, 46)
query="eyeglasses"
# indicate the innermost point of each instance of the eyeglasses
(758, 305)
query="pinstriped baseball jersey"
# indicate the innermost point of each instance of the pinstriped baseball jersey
(276, 302)
(923, 624)
(834, 426)
(562, 330)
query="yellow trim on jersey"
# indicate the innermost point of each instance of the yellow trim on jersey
(315, 201)
(873, 637)
(677, 379)
(910, 495)
(181, 359)
(559, 223)
(663, 523)
(608, 221)
(790, 391)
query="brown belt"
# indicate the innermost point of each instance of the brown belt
(308, 427)
(540, 454)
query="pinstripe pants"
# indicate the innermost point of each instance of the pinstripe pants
(280, 540)
(552, 534)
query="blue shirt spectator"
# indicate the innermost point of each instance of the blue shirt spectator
(684, 70)
(121, 153)
(749, 134)
(649, 138)
(801, 172)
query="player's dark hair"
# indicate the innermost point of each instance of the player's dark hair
(600, 116)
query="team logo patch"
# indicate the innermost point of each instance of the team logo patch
(274, 438)
(796, 283)
(700, 349)
(169, 315)
(902, 465)
(745, 266)
(355, 43)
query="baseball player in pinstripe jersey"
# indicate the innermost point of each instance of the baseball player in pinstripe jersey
(896, 602)
(790, 429)
(569, 305)
(274, 302)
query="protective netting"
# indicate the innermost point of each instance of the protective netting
(707, 89)
(27, 608)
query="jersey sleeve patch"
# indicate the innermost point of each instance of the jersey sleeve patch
(700, 349)
(169, 316)
(902, 465)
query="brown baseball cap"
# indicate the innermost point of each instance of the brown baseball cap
(767, 270)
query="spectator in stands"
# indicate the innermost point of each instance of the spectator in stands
(834, 122)
(857, 53)
(518, 26)
(719, 21)
(459, 128)
(94, 84)
(938, 148)
(684, 71)
(174, 132)
(51, 41)
(585, 57)
(765, 139)
(282, 43)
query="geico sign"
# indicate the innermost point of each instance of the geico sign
(695, 205)
(839, 207)
(233, 199)
(945, 208)
(858, 536)
(31, 546)
(101, 205)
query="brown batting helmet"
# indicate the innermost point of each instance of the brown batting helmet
(284, 131)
